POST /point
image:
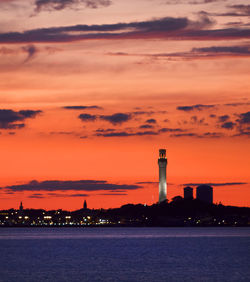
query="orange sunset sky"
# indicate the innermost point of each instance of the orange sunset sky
(91, 89)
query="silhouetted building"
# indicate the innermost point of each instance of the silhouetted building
(85, 205)
(162, 162)
(21, 207)
(188, 193)
(204, 193)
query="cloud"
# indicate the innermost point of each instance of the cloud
(31, 50)
(36, 196)
(244, 118)
(117, 118)
(237, 104)
(10, 119)
(238, 10)
(196, 120)
(223, 118)
(102, 130)
(216, 184)
(87, 117)
(196, 135)
(82, 107)
(146, 126)
(127, 134)
(152, 120)
(113, 194)
(162, 28)
(78, 185)
(42, 196)
(51, 5)
(222, 50)
(147, 182)
(198, 107)
(243, 132)
(166, 129)
(201, 53)
(228, 125)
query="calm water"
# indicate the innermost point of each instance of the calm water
(124, 254)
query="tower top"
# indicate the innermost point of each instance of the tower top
(162, 154)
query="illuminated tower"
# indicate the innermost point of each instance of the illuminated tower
(162, 162)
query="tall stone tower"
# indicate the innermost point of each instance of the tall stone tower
(162, 162)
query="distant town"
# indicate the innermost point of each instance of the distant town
(180, 211)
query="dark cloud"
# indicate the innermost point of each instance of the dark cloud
(216, 184)
(184, 135)
(42, 196)
(36, 196)
(143, 113)
(244, 118)
(152, 120)
(238, 10)
(102, 130)
(115, 134)
(117, 118)
(237, 104)
(165, 129)
(197, 120)
(223, 118)
(113, 194)
(196, 135)
(51, 5)
(212, 135)
(147, 182)
(164, 28)
(80, 185)
(228, 125)
(201, 53)
(243, 132)
(82, 107)
(127, 134)
(87, 117)
(146, 126)
(225, 50)
(10, 119)
(198, 107)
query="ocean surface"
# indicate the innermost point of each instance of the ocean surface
(124, 254)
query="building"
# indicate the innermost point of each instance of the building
(21, 207)
(204, 193)
(85, 205)
(188, 193)
(162, 162)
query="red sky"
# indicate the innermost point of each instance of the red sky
(90, 90)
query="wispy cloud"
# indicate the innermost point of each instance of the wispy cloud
(198, 107)
(57, 5)
(217, 184)
(80, 185)
(82, 107)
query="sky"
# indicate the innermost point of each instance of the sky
(90, 90)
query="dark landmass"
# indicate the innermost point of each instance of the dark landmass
(177, 213)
